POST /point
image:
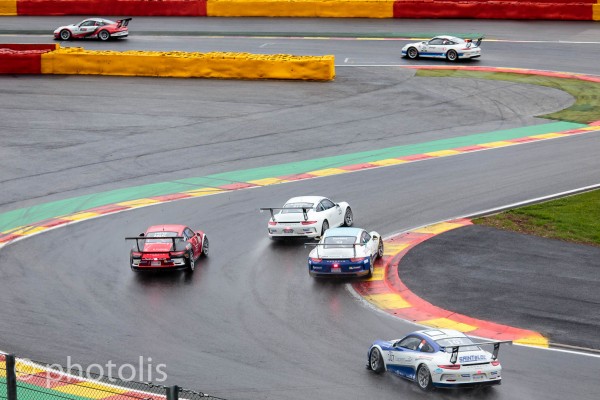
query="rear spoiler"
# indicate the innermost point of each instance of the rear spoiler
(335, 246)
(138, 238)
(454, 356)
(477, 43)
(271, 209)
(123, 22)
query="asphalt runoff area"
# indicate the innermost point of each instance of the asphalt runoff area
(529, 282)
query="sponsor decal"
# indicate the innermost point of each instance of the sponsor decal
(465, 359)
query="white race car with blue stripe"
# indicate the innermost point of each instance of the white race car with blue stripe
(448, 47)
(438, 358)
(345, 252)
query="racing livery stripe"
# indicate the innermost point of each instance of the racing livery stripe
(21, 223)
(386, 291)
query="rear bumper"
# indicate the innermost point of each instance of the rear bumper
(346, 268)
(467, 385)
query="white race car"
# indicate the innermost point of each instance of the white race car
(345, 252)
(442, 358)
(307, 216)
(448, 47)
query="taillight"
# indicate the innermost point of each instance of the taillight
(357, 259)
(316, 259)
(308, 222)
(495, 363)
(136, 254)
(177, 253)
(272, 223)
(450, 366)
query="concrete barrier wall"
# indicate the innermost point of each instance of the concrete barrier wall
(8, 7)
(192, 8)
(188, 65)
(301, 8)
(494, 9)
(23, 58)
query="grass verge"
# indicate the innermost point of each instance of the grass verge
(574, 219)
(586, 108)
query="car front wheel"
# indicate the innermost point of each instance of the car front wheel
(412, 53)
(324, 227)
(205, 246)
(191, 262)
(376, 361)
(65, 34)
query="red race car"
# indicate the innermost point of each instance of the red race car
(168, 247)
(93, 28)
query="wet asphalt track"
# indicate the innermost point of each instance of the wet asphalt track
(250, 323)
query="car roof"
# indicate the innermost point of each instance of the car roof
(437, 334)
(166, 228)
(346, 231)
(305, 199)
(100, 20)
(453, 38)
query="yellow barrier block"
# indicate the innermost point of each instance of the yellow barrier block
(387, 301)
(301, 8)
(177, 64)
(328, 172)
(388, 161)
(28, 230)
(203, 192)
(537, 340)
(596, 12)
(443, 153)
(138, 203)
(80, 216)
(8, 7)
(266, 181)
(439, 228)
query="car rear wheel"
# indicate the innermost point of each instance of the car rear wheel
(191, 261)
(412, 53)
(376, 361)
(424, 378)
(324, 227)
(451, 55)
(205, 246)
(104, 35)
(348, 217)
(65, 34)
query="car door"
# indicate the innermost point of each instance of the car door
(435, 48)
(333, 212)
(405, 356)
(86, 28)
(194, 240)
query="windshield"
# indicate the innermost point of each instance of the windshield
(161, 237)
(332, 242)
(458, 341)
(295, 207)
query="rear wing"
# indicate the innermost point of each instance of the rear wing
(335, 246)
(123, 22)
(272, 209)
(470, 41)
(138, 238)
(454, 349)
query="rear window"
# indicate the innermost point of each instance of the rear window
(332, 242)
(458, 341)
(295, 207)
(160, 237)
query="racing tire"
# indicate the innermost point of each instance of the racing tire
(452, 55)
(103, 35)
(376, 361)
(423, 378)
(205, 247)
(324, 227)
(65, 34)
(380, 249)
(348, 217)
(412, 53)
(191, 262)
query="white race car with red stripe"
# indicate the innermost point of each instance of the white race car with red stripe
(442, 358)
(94, 28)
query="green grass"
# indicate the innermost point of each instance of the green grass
(586, 108)
(574, 219)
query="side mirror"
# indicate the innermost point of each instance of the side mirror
(197, 233)
(337, 205)
(375, 237)
(142, 235)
